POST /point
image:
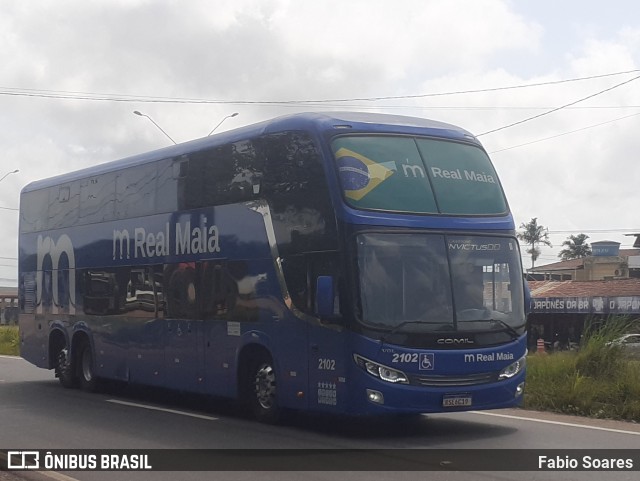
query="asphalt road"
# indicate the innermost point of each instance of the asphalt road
(37, 413)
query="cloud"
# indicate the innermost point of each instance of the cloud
(290, 50)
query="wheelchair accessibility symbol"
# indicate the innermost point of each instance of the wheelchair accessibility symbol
(427, 361)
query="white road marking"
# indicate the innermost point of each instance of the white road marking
(156, 408)
(558, 423)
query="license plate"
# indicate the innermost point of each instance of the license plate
(456, 400)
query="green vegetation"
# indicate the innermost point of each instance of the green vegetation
(9, 342)
(598, 381)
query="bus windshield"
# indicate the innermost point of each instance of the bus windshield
(417, 175)
(435, 282)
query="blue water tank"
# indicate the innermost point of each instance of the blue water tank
(605, 248)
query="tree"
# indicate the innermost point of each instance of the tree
(533, 234)
(576, 247)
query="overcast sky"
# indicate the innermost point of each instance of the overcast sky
(74, 71)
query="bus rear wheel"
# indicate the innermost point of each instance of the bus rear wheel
(64, 369)
(86, 368)
(262, 391)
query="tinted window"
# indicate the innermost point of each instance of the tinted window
(169, 187)
(404, 278)
(135, 291)
(425, 176)
(463, 178)
(135, 191)
(97, 198)
(64, 204)
(223, 175)
(301, 273)
(295, 186)
(385, 173)
(34, 211)
(432, 281)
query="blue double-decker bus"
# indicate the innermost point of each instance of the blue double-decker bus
(342, 263)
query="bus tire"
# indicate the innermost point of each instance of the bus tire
(86, 368)
(262, 390)
(65, 371)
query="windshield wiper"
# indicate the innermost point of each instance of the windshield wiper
(406, 323)
(506, 327)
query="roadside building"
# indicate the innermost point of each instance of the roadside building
(564, 295)
(8, 305)
(561, 308)
(607, 262)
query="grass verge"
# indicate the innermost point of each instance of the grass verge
(598, 381)
(9, 340)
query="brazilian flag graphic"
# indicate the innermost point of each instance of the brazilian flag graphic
(360, 175)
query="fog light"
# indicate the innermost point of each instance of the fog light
(520, 389)
(375, 396)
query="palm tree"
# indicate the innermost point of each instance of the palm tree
(533, 234)
(576, 247)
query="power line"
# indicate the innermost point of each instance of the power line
(559, 108)
(565, 133)
(70, 95)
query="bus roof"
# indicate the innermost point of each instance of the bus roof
(312, 121)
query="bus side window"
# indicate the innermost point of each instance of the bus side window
(64, 204)
(243, 291)
(302, 273)
(296, 188)
(213, 290)
(226, 174)
(136, 191)
(34, 211)
(227, 290)
(179, 290)
(97, 198)
(295, 273)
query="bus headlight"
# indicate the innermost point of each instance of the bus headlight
(513, 368)
(381, 371)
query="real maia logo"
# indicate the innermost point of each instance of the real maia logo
(200, 239)
(457, 174)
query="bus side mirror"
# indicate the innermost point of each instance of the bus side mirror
(325, 297)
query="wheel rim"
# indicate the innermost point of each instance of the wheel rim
(63, 362)
(265, 386)
(87, 371)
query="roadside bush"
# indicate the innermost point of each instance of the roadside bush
(9, 340)
(598, 356)
(597, 381)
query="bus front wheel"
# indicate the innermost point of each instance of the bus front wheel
(262, 390)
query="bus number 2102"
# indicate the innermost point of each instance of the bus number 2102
(405, 357)
(326, 364)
